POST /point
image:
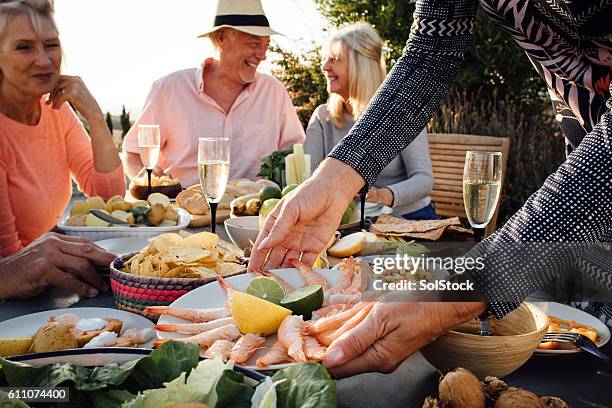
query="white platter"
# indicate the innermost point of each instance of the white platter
(123, 245)
(570, 313)
(212, 295)
(100, 233)
(28, 324)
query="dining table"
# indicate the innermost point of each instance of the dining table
(581, 379)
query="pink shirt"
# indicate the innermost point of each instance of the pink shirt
(36, 163)
(261, 121)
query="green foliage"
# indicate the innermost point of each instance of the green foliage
(125, 121)
(303, 79)
(272, 166)
(109, 122)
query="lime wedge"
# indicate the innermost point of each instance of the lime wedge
(304, 301)
(267, 289)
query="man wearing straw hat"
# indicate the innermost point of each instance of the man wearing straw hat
(225, 97)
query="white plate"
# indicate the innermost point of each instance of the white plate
(28, 325)
(84, 357)
(570, 313)
(374, 209)
(123, 246)
(99, 233)
(212, 295)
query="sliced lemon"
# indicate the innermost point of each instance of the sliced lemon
(254, 315)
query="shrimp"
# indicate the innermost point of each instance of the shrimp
(310, 277)
(245, 347)
(313, 350)
(346, 278)
(229, 290)
(67, 319)
(227, 332)
(341, 298)
(290, 334)
(194, 328)
(276, 355)
(139, 336)
(194, 315)
(329, 311)
(219, 348)
(356, 285)
(333, 322)
(326, 338)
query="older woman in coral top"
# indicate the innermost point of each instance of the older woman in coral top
(42, 142)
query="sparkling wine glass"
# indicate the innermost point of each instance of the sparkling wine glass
(213, 164)
(148, 145)
(482, 176)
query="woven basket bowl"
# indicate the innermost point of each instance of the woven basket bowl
(134, 292)
(513, 340)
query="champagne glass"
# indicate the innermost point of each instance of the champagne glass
(214, 164)
(148, 145)
(482, 177)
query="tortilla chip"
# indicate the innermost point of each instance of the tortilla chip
(206, 240)
(184, 254)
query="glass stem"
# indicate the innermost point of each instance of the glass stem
(479, 234)
(149, 172)
(213, 216)
(362, 201)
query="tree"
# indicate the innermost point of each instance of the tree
(109, 122)
(125, 121)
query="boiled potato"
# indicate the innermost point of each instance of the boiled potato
(253, 206)
(156, 214)
(122, 205)
(131, 219)
(93, 221)
(80, 207)
(13, 346)
(53, 336)
(96, 202)
(171, 215)
(159, 198)
(78, 220)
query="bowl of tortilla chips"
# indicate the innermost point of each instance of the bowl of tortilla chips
(169, 266)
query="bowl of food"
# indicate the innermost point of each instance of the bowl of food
(242, 230)
(169, 267)
(511, 342)
(145, 218)
(165, 185)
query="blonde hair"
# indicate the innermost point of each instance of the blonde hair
(367, 68)
(36, 10)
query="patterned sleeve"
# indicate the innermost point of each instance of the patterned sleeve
(413, 90)
(555, 228)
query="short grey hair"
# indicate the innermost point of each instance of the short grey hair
(214, 37)
(36, 10)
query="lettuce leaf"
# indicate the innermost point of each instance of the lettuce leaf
(6, 402)
(307, 386)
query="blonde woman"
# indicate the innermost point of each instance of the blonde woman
(354, 67)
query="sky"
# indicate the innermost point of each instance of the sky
(119, 47)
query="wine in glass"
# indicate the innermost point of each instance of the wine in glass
(148, 145)
(482, 177)
(213, 165)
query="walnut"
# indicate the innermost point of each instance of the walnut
(461, 389)
(493, 386)
(553, 402)
(518, 398)
(431, 402)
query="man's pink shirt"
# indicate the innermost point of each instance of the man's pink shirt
(261, 121)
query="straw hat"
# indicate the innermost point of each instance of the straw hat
(243, 15)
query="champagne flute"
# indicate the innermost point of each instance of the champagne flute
(482, 177)
(148, 145)
(213, 164)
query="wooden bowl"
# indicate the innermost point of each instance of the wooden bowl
(512, 341)
(142, 192)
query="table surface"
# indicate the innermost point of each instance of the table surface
(580, 379)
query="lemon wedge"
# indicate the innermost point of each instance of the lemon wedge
(258, 316)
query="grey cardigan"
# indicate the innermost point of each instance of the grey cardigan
(408, 175)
